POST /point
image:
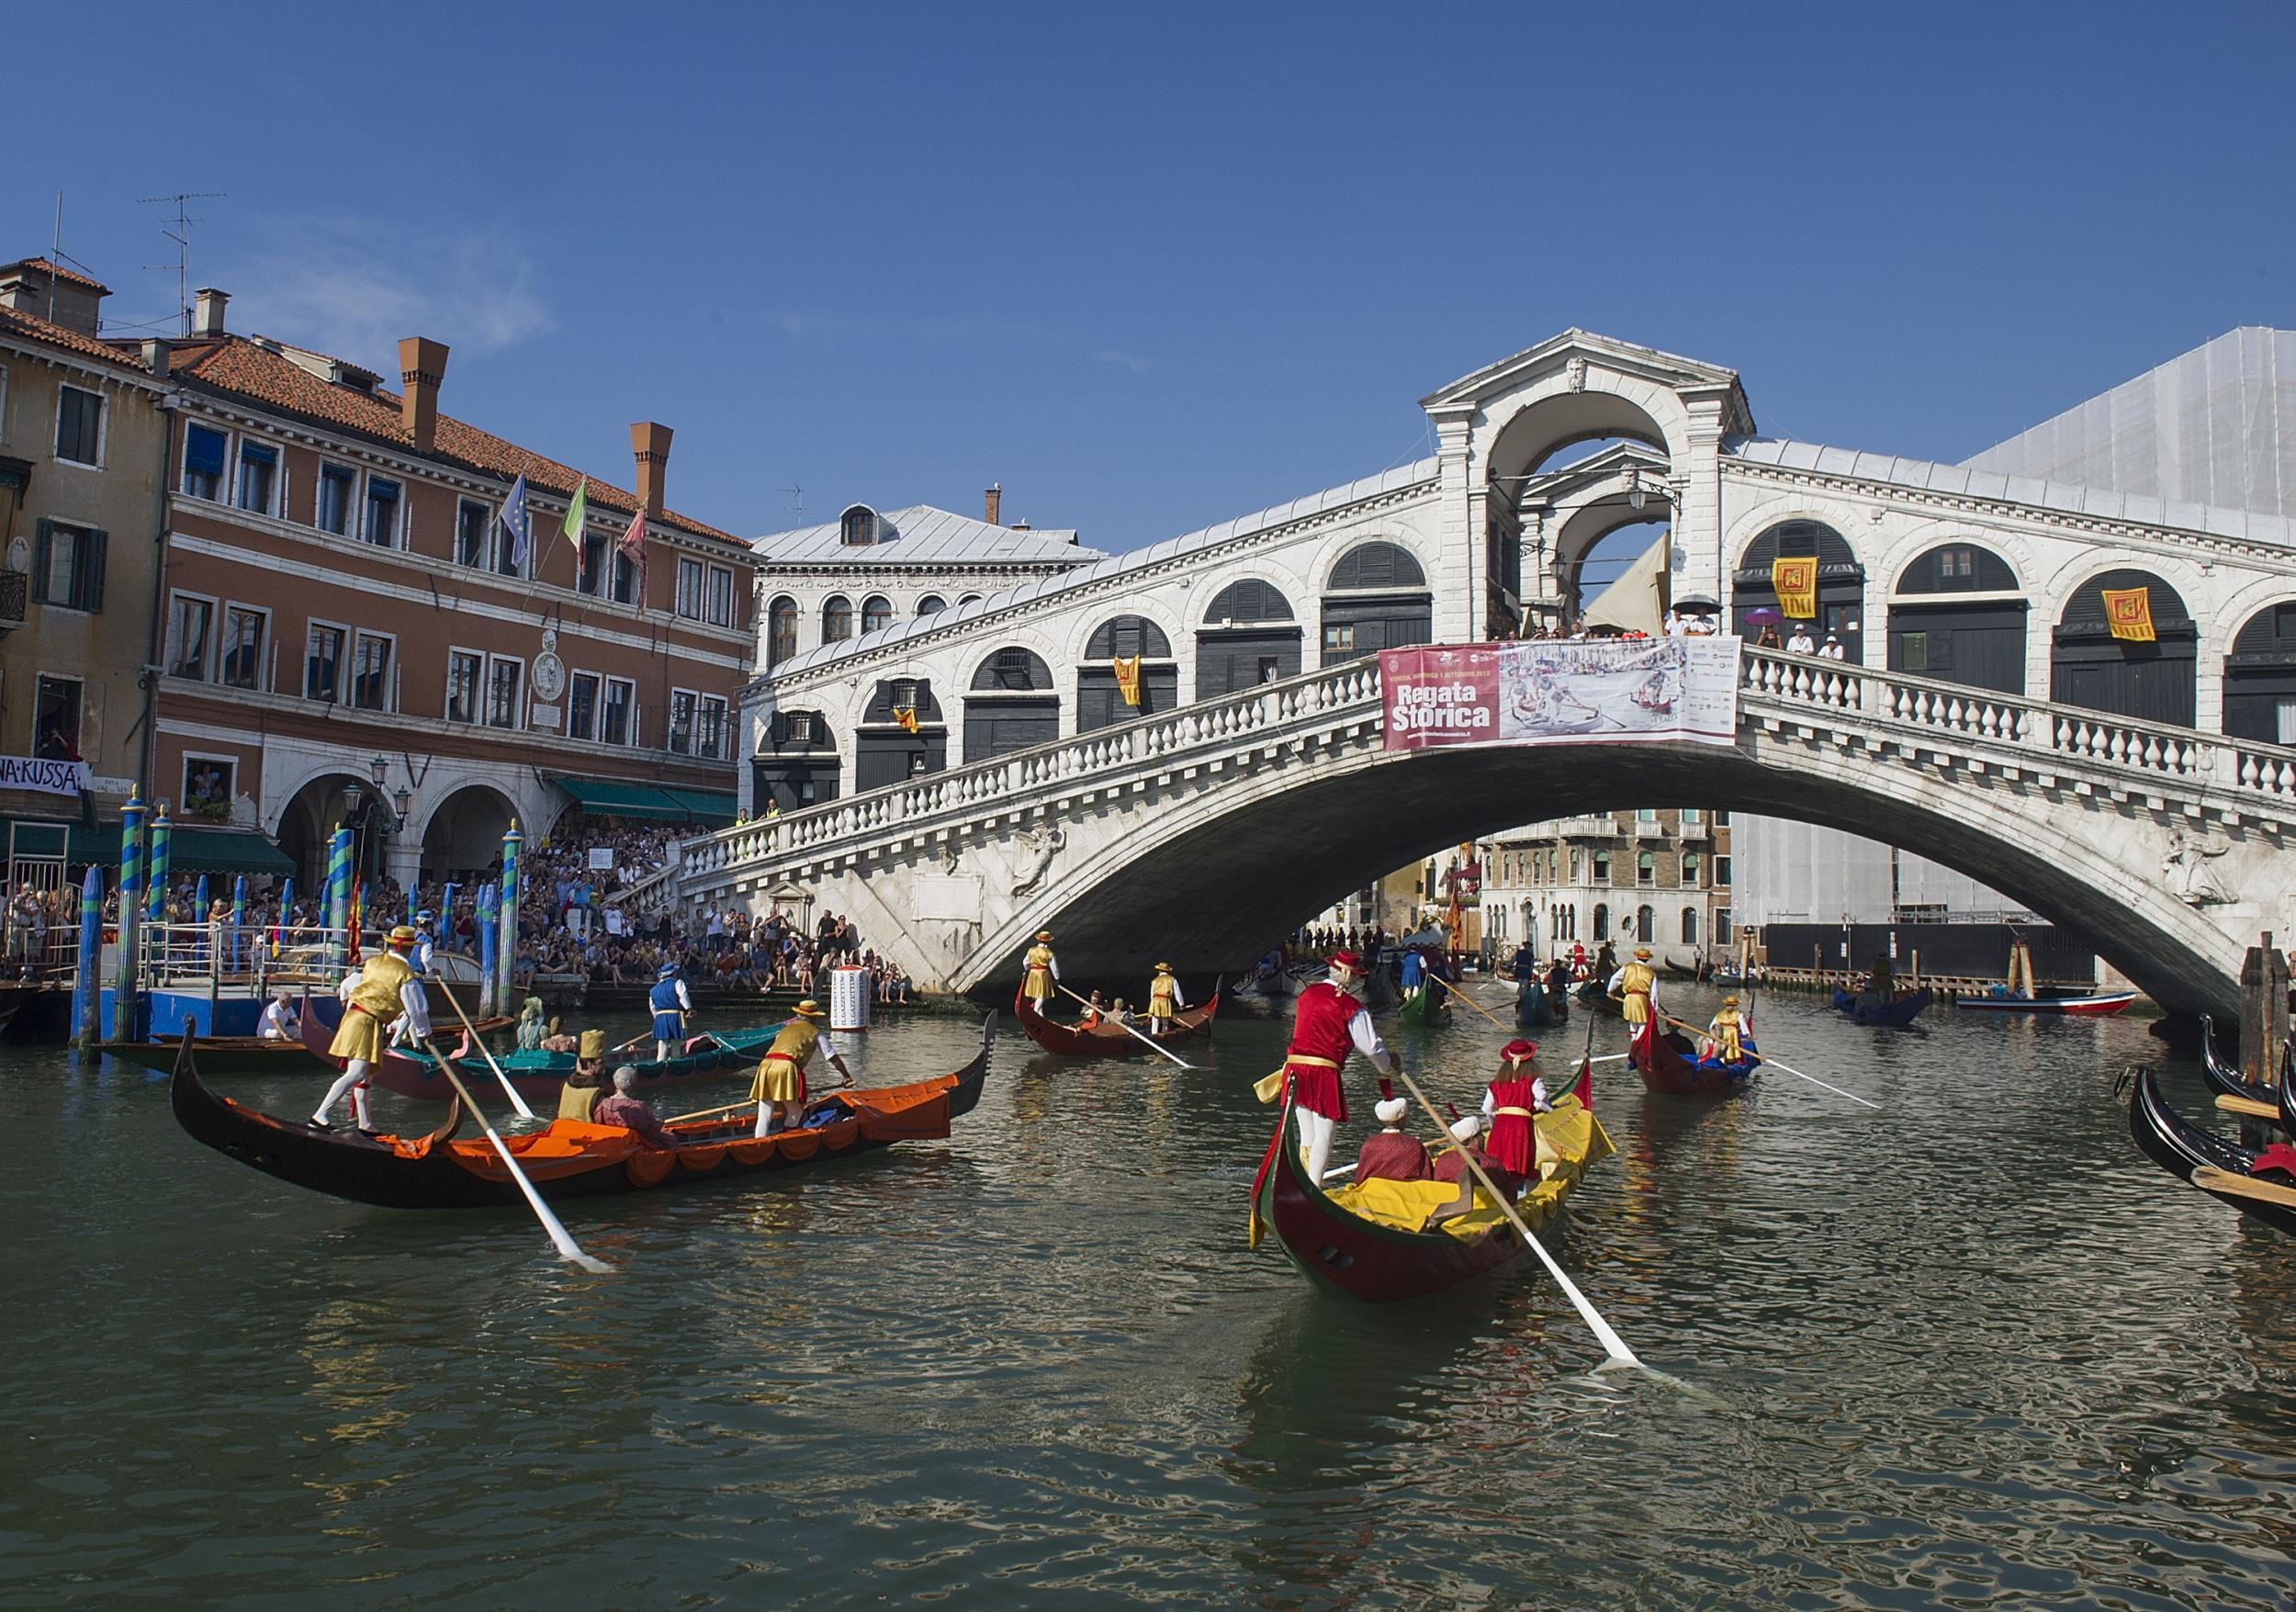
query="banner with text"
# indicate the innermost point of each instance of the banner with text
(1561, 690)
(47, 777)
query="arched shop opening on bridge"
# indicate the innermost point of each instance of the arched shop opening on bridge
(796, 764)
(2153, 681)
(1249, 636)
(464, 836)
(2260, 677)
(1958, 614)
(1100, 693)
(1840, 585)
(886, 750)
(1377, 598)
(316, 810)
(1011, 704)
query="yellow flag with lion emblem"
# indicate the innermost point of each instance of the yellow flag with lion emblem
(1796, 583)
(2129, 613)
(1127, 677)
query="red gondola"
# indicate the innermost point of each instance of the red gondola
(1107, 1039)
(1670, 1066)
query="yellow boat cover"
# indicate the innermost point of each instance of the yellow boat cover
(1570, 1138)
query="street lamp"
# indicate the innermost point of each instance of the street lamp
(403, 798)
(379, 768)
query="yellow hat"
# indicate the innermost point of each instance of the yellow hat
(1729, 1001)
(403, 935)
(809, 1009)
(1642, 951)
(1044, 934)
(1164, 968)
(593, 1046)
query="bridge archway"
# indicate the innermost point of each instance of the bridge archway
(1375, 598)
(1011, 704)
(1957, 613)
(1841, 582)
(464, 834)
(1100, 692)
(1249, 636)
(2155, 682)
(2260, 677)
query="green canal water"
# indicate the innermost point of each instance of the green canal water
(1969, 1351)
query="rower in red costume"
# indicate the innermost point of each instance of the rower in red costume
(1392, 1154)
(1516, 1095)
(1329, 1023)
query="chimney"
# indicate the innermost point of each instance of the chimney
(155, 356)
(650, 443)
(994, 499)
(206, 317)
(422, 366)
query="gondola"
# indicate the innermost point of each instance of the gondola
(2223, 1078)
(1108, 1039)
(1535, 1010)
(247, 1055)
(1891, 1015)
(1669, 1066)
(2097, 1006)
(1595, 997)
(1424, 1005)
(2216, 1165)
(540, 1074)
(569, 1158)
(1335, 1238)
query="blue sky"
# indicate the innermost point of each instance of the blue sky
(1153, 268)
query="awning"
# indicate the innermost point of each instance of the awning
(220, 851)
(707, 805)
(614, 797)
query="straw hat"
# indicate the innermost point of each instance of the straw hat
(402, 935)
(1643, 952)
(1044, 934)
(1164, 968)
(809, 1009)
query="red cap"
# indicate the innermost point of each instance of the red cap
(1516, 1052)
(1347, 960)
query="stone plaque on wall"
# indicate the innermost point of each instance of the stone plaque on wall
(544, 715)
(948, 897)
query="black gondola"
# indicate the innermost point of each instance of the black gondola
(2216, 1165)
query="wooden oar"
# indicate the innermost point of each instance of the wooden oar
(2239, 1185)
(517, 1102)
(1459, 995)
(2247, 1107)
(1145, 1041)
(1620, 1354)
(566, 1247)
(1762, 1057)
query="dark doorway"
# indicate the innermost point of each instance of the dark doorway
(2152, 682)
(1249, 636)
(1840, 583)
(1010, 707)
(1949, 621)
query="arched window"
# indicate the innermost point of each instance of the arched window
(1156, 683)
(1377, 565)
(857, 525)
(1248, 637)
(1012, 672)
(2151, 678)
(1128, 635)
(1645, 925)
(1246, 602)
(1376, 598)
(1949, 619)
(1602, 921)
(2260, 677)
(877, 612)
(1601, 867)
(1690, 926)
(930, 603)
(968, 598)
(837, 619)
(1690, 869)
(1646, 868)
(781, 630)
(796, 764)
(1012, 705)
(1840, 584)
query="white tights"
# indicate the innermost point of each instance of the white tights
(786, 1113)
(353, 1081)
(1316, 1139)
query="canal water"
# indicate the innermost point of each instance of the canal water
(1968, 1351)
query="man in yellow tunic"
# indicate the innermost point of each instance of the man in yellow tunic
(1044, 971)
(1636, 986)
(1163, 996)
(779, 1090)
(388, 989)
(1725, 1032)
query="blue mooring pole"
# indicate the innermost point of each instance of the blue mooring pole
(87, 989)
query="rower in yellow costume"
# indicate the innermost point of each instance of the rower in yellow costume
(1725, 1032)
(387, 989)
(1044, 971)
(1635, 984)
(1163, 996)
(779, 1090)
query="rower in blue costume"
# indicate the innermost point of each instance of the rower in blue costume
(425, 943)
(671, 1004)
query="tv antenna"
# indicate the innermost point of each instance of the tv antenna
(797, 500)
(181, 235)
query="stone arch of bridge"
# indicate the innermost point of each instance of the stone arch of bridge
(1527, 429)
(1216, 877)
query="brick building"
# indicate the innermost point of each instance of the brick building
(1659, 877)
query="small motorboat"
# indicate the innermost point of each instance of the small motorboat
(1894, 1014)
(1108, 1039)
(2096, 1006)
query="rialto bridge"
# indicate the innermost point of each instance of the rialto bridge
(2134, 790)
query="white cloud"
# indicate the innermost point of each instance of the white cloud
(353, 288)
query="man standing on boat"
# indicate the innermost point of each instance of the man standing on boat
(1328, 1023)
(1043, 971)
(779, 1090)
(1635, 985)
(1391, 1153)
(672, 1005)
(1728, 1033)
(1163, 996)
(387, 988)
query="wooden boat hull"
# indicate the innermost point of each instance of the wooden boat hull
(1664, 1061)
(2091, 1007)
(1364, 1259)
(540, 1074)
(245, 1055)
(2223, 1078)
(1424, 1006)
(1109, 1042)
(2182, 1148)
(568, 1160)
(1894, 1015)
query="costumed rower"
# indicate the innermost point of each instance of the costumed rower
(1517, 1095)
(529, 1026)
(779, 1090)
(579, 1097)
(671, 1003)
(1326, 1024)
(1728, 1033)
(1391, 1153)
(280, 1021)
(1635, 984)
(1163, 996)
(386, 989)
(1044, 971)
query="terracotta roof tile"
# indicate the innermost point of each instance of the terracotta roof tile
(245, 368)
(27, 327)
(60, 272)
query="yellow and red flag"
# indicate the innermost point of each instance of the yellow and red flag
(1127, 677)
(905, 715)
(1796, 583)
(2129, 612)
(358, 901)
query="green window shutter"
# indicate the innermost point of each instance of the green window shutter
(40, 565)
(91, 578)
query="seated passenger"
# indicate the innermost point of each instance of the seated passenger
(280, 1021)
(1391, 1153)
(630, 1112)
(559, 1040)
(1452, 1166)
(530, 1027)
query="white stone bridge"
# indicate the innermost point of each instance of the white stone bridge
(1209, 831)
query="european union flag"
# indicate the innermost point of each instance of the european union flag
(517, 522)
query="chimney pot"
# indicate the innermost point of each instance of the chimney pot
(993, 500)
(422, 366)
(208, 305)
(649, 443)
(156, 353)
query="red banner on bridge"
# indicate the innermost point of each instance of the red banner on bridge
(1561, 690)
